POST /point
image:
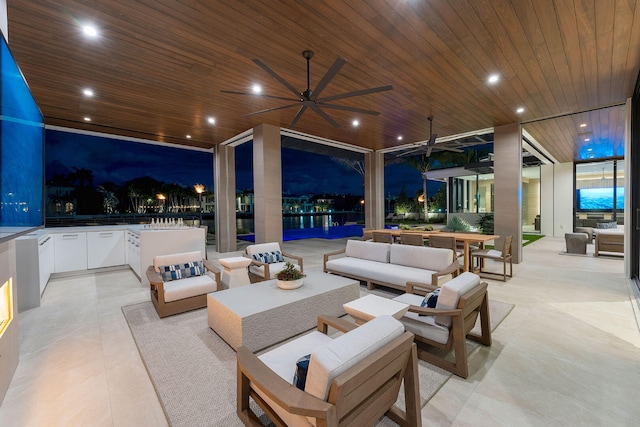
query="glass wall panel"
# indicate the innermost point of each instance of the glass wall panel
(472, 193)
(599, 193)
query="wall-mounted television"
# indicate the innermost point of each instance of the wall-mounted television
(21, 150)
(599, 199)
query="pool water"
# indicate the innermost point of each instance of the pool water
(336, 232)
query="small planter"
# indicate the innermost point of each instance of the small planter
(290, 284)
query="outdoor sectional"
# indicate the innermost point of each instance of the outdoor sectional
(392, 265)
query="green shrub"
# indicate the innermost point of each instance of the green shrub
(485, 223)
(458, 224)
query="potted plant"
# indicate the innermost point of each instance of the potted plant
(290, 277)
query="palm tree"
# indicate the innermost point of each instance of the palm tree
(424, 163)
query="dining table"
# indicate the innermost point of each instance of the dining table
(467, 238)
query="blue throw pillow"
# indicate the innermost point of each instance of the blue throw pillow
(269, 257)
(181, 271)
(302, 366)
(431, 299)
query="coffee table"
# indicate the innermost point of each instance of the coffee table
(261, 314)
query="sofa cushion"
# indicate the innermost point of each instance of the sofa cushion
(179, 258)
(423, 257)
(372, 251)
(424, 326)
(262, 247)
(269, 257)
(181, 271)
(344, 352)
(451, 291)
(189, 287)
(378, 272)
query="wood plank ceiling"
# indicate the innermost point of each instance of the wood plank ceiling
(158, 67)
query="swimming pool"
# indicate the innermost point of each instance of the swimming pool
(336, 232)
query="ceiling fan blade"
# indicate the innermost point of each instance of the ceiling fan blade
(271, 109)
(325, 116)
(276, 76)
(353, 109)
(297, 116)
(259, 95)
(335, 68)
(356, 93)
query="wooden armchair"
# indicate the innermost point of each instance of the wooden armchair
(352, 380)
(267, 260)
(504, 255)
(449, 324)
(176, 288)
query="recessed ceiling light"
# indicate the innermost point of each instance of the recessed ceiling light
(520, 110)
(90, 31)
(188, 136)
(87, 92)
(583, 125)
(211, 120)
(493, 79)
(399, 137)
(587, 139)
(355, 123)
(87, 119)
(257, 89)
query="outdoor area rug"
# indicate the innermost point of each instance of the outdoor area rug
(194, 371)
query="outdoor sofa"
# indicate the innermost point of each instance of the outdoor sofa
(392, 265)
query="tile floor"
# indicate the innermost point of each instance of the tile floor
(568, 354)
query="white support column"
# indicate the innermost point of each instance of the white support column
(374, 190)
(507, 160)
(267, 183)
(224, 179)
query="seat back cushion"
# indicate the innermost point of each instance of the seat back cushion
(173, 259)
(336, 357)
(263, 248)
(451, 291)
(372, 251)
(425, 257)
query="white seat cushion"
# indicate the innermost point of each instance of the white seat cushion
(190, 287)
(451, 291)
(397, 275)
(337, 356)
(424, 326)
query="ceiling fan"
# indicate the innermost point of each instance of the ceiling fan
(430, 143)
(310, 99)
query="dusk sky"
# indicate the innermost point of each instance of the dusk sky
(120, 161)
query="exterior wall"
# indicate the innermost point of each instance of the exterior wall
(267, 183)
(224, 171)
(4, 26)
(507, 148)
(556, 201)
(374, 190)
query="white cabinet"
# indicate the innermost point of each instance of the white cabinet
(46, 257)
(34, 265)
(105, 248)
(133, 252)
(70, 253)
